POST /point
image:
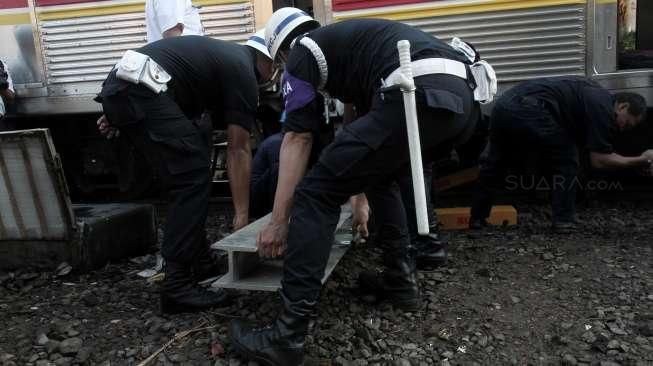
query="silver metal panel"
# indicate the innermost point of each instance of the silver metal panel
(19, 52)
(78, 53)
(34, 202)
(42, 105)
(603, 52)
(520, 44)
(602, 37)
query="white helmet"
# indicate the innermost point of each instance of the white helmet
(281, 24)
(257, 42)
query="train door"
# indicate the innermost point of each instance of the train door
(621, 39)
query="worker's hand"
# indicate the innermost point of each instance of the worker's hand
(647, 170)
(106, 129)
(648, 154)
(271, 240)
(361, 215)
(240, 221)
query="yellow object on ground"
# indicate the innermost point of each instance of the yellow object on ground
(456, 218)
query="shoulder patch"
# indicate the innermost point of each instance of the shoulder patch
(297, 93)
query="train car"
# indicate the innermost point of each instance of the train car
(608, 40)
(59, 52)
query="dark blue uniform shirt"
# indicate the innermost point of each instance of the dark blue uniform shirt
(579, 105)
(359, 53)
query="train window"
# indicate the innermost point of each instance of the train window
(635, 24)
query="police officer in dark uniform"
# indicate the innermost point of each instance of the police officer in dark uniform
(548, 121)
(206, 74)
(348, 60)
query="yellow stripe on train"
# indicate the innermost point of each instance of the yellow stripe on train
(15, 19)
(95, 9)
(434, 9)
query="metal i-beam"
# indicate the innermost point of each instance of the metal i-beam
(247, 271)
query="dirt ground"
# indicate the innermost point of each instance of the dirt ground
(510, 296)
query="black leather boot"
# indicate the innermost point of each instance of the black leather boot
(431, 251)
(478, 223)
(280, 343)
(180, 293)
(210, 264)
(397, 283)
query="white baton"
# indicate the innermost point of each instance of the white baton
(407, 85)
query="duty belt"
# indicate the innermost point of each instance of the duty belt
(137, 68)
(484, 76)
(429, 66)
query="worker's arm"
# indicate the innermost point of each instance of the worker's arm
(616, 161)
(239, 165)
(238, 109)
(6, 84)
(359, 205)
(293, 160)
(303, 121)
(8, 95)
(175, 31)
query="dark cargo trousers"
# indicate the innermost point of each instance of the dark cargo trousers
(525, 137)
(178, 150)
(370, 154)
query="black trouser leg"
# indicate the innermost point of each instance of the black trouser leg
(407, 196)
(184, 235)
(180, 150)
(392, 215)
(262, 191)
(313, 221)
(563, 196)
(398, 282)
(431, 251)
(490, 181)
(564, 159)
